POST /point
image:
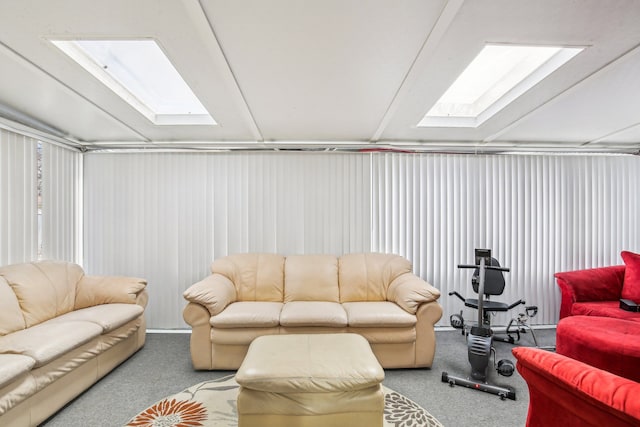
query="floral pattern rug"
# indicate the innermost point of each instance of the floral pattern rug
(213, 403)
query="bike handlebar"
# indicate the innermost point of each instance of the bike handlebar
(488, 267)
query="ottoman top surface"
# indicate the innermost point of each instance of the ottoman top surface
(309, 363)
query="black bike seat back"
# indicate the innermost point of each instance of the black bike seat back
(493, 280)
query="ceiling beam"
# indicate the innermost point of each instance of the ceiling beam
(567, 91)
(24, 61)
(424, 56)
(203, 24)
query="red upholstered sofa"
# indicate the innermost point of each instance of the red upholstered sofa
(597, 291)
(593, 328)
(567, 392)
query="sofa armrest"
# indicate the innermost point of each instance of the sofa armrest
(593, 284)
(215, 292)
(410, 291)
(563, 390)
(96, 290)
(142, 299)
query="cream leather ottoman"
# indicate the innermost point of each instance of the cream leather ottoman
(310, 380)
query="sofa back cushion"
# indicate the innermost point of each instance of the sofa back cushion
(631, 283)
(44, 289)
(11, 318)
(256, 277)
(367, 276)
(311, 278)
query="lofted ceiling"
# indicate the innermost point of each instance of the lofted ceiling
(327, 74)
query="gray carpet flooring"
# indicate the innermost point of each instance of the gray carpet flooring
(163, 367)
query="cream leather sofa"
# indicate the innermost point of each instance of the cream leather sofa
(371, 294)
(60, 332)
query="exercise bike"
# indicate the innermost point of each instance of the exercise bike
(480, 337)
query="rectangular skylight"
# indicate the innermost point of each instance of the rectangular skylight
(140, 73)
(496, 77)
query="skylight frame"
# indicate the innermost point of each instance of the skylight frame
(132, 95)
(553, 63)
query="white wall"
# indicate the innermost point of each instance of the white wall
(166, 216)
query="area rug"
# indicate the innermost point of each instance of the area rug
(213, 403)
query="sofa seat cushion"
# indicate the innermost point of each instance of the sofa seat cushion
(604, 342)
(108, 316)
(49, 340)
(380, 314)
(13, 366)
(313, 313)
(248, 314)
(603, 309)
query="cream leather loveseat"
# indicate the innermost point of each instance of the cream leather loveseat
(371, 294)
(60, 332)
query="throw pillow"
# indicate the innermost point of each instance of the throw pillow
(631, 283)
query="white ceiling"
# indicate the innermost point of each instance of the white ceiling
(353, 74)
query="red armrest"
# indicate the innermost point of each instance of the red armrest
(564, 391)
(594, 284)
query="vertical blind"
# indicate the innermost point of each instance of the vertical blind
(166, 216)
(538, 214)
(61, 179)
(18, 198)
(28, 186)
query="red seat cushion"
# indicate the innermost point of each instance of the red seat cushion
(604, 309)
(603, 342)
(631, 283)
